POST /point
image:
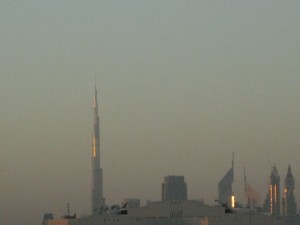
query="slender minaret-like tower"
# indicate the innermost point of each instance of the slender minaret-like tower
(98, 202)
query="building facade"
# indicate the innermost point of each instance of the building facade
(174, 188)
(225, 187)
(178, 213)
(272, 202)
(289, 205)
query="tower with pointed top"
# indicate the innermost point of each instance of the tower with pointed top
(225, 186)
(98, 202)
(289, 205)
(272, 202)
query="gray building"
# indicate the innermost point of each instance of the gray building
(174, 188)
(179, 213)
(272, 202)
(47, 216)
(225, 186)
(289, 205)
(98, 202)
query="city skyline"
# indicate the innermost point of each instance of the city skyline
(181, 85)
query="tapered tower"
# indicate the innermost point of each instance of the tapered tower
(289, 205)
(225, 186)
(274, 192)
(98, 202)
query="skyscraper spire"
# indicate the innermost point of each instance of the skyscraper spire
(272, 202)
(289, 205)
(98, 202)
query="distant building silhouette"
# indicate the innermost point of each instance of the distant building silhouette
(174, 188)
(289, 205)
(252, 197)
(225, 186)
(47, 216)
(266, 206)
(98, 202)
(272, 202)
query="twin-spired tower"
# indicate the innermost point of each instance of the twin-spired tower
(98, 202)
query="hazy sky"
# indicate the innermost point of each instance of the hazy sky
(181, 85)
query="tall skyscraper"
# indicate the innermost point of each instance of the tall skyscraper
(174, 188)
(272, 204)
(225, 186)
(98, 202)
(289, 205)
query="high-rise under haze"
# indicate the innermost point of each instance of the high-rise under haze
(272, 202)
(98, 202)
(289, 205)
(174, 188)
(225, 187)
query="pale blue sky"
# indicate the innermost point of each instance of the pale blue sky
(181, 84)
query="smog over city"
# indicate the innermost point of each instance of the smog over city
(180, 87)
